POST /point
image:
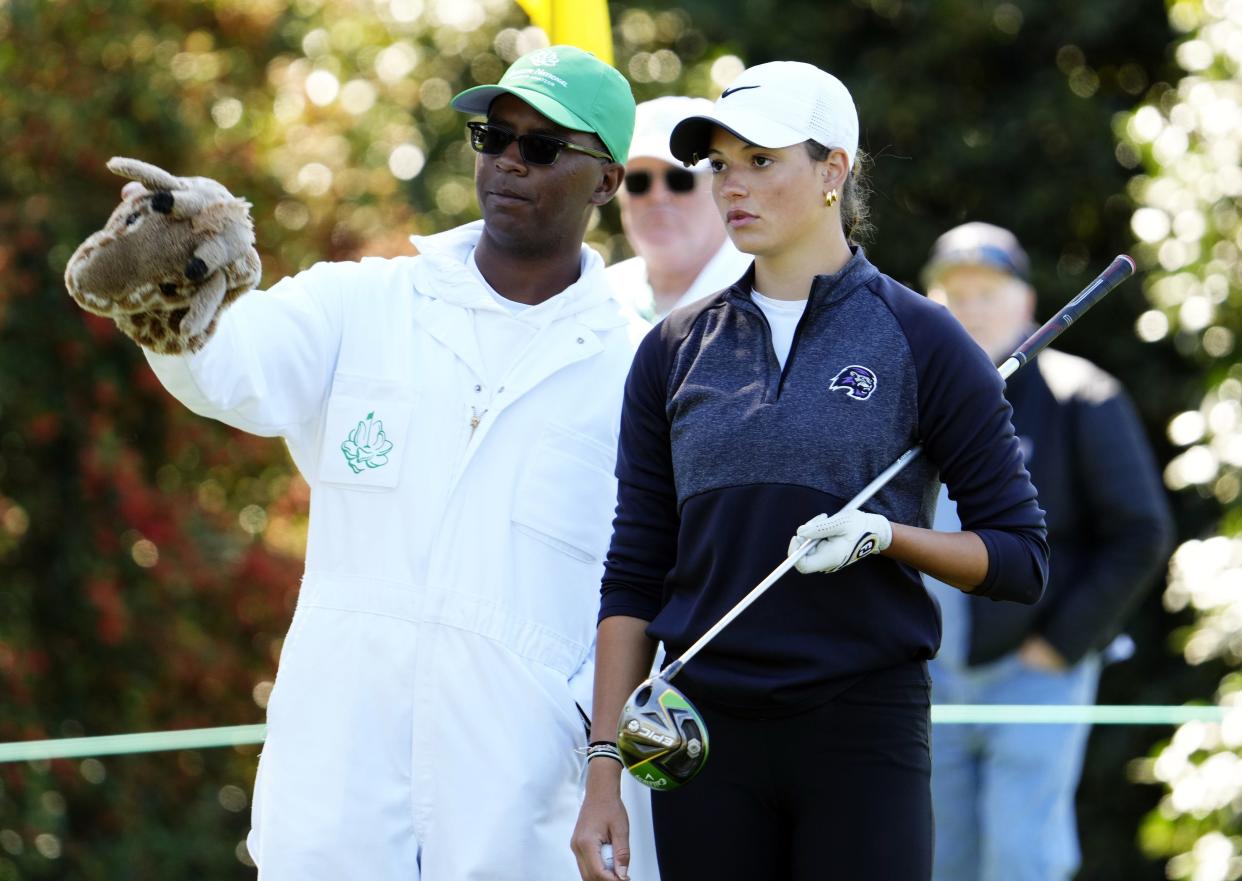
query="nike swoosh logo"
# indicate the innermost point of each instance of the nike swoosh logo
(727, 92)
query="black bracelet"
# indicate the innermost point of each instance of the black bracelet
(601, 743)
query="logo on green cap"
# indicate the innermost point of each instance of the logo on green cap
(583, 94)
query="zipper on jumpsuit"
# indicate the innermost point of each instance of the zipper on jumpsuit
(426, 680)
(476, 415)
(475, 418)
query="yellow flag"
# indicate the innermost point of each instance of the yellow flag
(581, 23)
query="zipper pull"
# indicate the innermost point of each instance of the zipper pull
(475, 418)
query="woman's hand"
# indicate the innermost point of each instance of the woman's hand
(841, 539)
(602, 820)
(623, 655)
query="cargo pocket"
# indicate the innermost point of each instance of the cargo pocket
(567, 494)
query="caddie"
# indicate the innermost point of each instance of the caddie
(456, 415)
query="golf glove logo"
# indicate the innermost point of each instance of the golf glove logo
(841, 539)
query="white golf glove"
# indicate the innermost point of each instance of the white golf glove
(842, 539)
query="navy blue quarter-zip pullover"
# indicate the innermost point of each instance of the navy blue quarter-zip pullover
(723, 455)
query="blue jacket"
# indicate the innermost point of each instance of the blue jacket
(723, 454)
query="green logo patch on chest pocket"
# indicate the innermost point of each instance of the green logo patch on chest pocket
(367, 446)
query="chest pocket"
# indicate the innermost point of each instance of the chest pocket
(567, 494)
(366, 433)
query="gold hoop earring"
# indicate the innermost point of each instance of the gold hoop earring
(831, 198)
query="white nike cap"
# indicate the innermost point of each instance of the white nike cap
(654, 121)
(775, 105)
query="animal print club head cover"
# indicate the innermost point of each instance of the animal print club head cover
(172, 256)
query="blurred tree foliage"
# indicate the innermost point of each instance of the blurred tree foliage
(149, 559)
(1188, 138)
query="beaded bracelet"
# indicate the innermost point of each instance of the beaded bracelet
(608, 748)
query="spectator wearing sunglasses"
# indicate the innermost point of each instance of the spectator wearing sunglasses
(670, 220)
(456, 415)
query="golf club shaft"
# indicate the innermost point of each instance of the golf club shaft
(1118, 271)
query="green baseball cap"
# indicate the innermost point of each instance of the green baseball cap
(572, 88)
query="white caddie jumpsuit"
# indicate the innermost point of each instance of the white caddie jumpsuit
(423, 724)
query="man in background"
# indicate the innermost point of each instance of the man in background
(1004, 794)
(670, 220)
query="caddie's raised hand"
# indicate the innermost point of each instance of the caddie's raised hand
(173, 255)
(841, 539)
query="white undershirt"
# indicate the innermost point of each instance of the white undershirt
(783, 317)
(512, 306)
(502, 336)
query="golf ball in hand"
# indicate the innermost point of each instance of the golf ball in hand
(605, 854)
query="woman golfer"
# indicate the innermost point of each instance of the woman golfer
(749, 419)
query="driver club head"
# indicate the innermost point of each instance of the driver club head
(662, 737)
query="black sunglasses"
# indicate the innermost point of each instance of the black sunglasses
(678, 180)
(535, 149)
